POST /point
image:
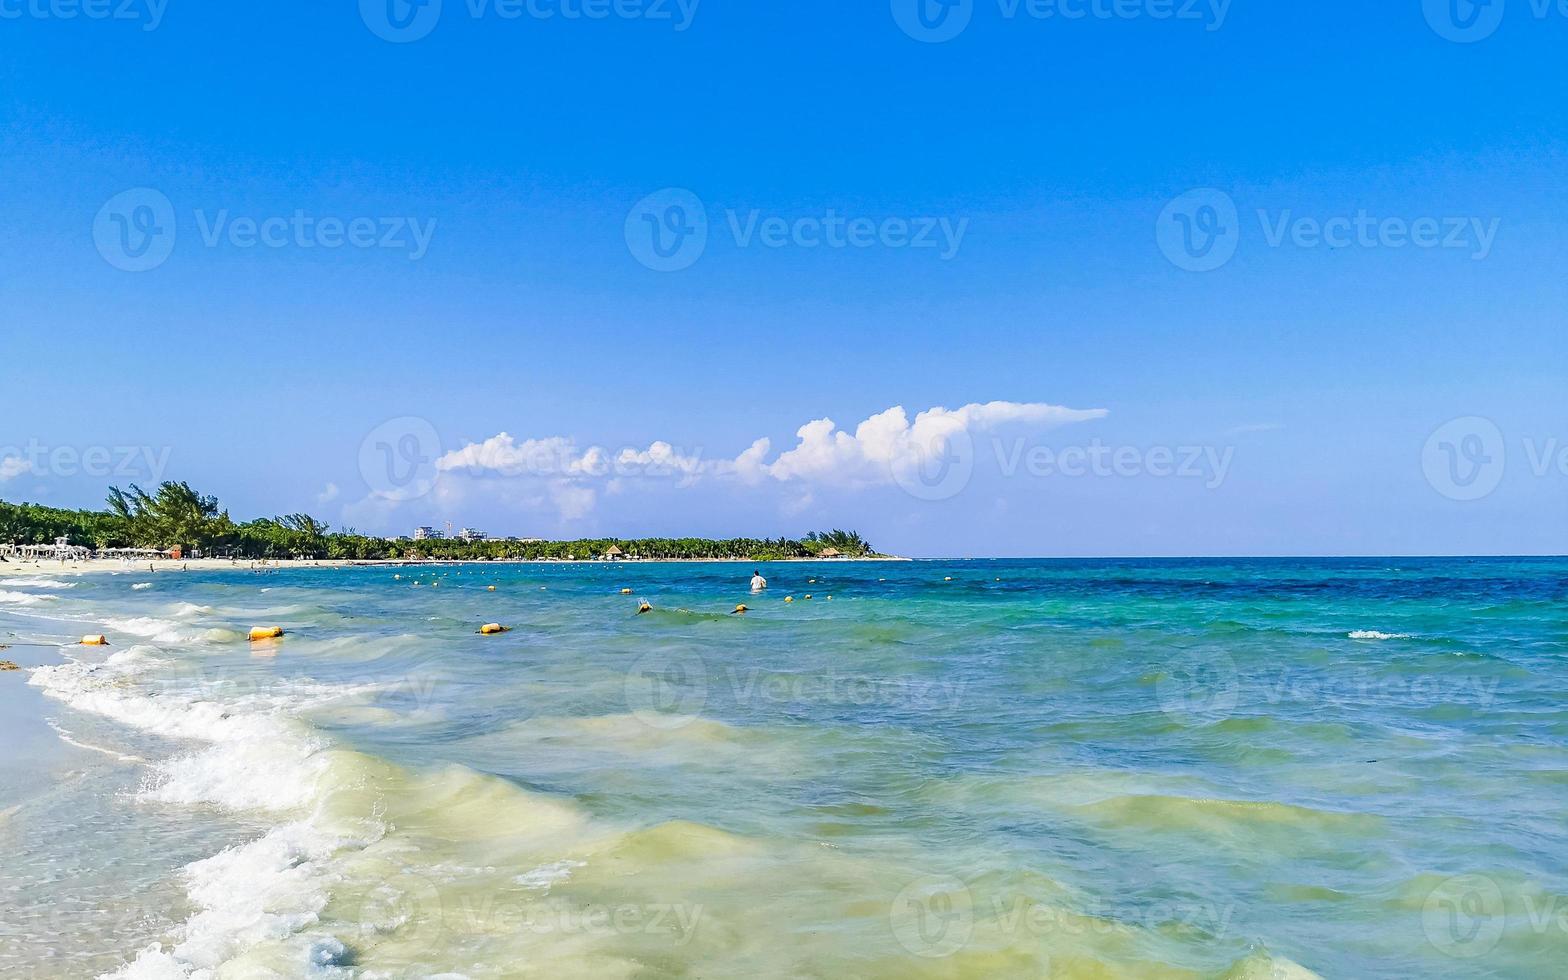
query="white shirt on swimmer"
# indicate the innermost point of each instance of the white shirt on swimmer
(758, 583)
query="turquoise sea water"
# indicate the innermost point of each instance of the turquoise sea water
(1353, 768)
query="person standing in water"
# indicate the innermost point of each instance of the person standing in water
(758, 583)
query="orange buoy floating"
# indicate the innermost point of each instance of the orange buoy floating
(490, 629)
(95, 640)
(265, 633)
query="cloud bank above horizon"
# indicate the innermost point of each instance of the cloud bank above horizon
(878, 452)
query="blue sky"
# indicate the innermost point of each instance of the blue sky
(1019, 189)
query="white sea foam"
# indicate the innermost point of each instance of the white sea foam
(1376, 635)
(150, 627)
(257, 757)
(141, 585)
(69, 738)
(271, 889)
(41, 583)
(22, 598)
(542, 877)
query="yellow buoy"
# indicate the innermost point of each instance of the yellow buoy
(948, 579)
(626, 592)
(740, 608)
(95, 640)
(828, 598)
(265, 633)
(808, 595)
(490, 588)
(490, 629)
(397, 578)
(644, 606)
(789, 598)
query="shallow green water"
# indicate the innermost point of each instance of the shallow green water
(987, 768)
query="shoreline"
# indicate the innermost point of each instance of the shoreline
(52, 566)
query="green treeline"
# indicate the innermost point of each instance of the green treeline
(175, 515)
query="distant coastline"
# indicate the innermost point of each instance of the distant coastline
(176, 522)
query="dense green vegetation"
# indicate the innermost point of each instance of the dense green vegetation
(177, 516)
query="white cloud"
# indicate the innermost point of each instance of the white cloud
(12, 467)
(572, 501)
(823, 453)
(505, 456)
(888, 440)
(328, 495)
